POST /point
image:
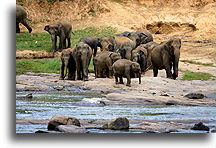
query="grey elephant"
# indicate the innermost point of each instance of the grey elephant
(62, 30)
(139, 55)
(141, 37)
(68, 65)
(21, 17)
(103, 63)
(126, 68)
(82, 54)
(120, 44)
(149, 46)
(93, 42)
(165, 56)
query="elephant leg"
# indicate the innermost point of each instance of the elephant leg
(155, 71)
(69, 42)
(116, 79)
(168, 72)
(121, 80)
(27, 26)
(62, 71)
(17, 28)
(95, 51)
(78, 67)
(128, 80)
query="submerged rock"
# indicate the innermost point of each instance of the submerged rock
(117, 124)
(71, 129)
(200, 126)
(28, 96)
(195, 96)
(62, 120)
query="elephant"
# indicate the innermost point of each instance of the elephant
(120, 44)
(141, 37)
(93, 42)
(21, 17)
(149, 46)
(103, 63)
(126, 68)
(82, 54)
(67, 63)
(139, 55)
(165, 56)
(63, 30)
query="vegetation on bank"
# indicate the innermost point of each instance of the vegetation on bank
(198, 63)
(188, 75)
(42, 41)
(51, 65)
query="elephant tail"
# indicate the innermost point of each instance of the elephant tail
(149, 67)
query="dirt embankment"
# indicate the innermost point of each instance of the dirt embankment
(191, 20)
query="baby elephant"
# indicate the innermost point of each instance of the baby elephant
(126, 68)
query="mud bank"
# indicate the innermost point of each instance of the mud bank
(153, 90)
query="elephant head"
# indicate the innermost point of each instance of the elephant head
(135, 37)
(136, 70)
(140, 56)
(114, 56)
(145, 36)
(125, 52)
(174, 46)
(107, 43)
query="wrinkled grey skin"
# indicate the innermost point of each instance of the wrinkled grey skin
(149, 46)
(120, 44)
(21, 17)
(82, 54)
(126, 68)
(62, 30)
(93, 42)
(165, 56)
(139, 55)
(68, 65)
(103, 63)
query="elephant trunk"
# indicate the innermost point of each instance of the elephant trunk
(139, 75)
(85, 67)
(53, 38)
(175, 63)
(66, 67)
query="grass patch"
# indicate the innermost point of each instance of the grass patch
(198, 63)
(42, 66)
(42, 41)
(38, 66)
(188, 75)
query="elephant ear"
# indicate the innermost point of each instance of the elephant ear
(110, 47)
(46, 28)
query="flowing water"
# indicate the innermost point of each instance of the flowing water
(45, 105)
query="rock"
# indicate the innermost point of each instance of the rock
(59, 88)
(28, 96)
(117, 124)
(171, 102)
(200, 126)
(195, 96)
(213, 131)
(49, 132)
(164, 94)
(62, 120)
(71, 129)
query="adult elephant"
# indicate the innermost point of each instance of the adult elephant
(149, 47)
(120, 44)
(103, 63)
(93, 42)
(139, 55)
(21, 17)
(126, 68)
(82, 54)
(62, 30)
(68, 65)
(165, 56)
(141, 37)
